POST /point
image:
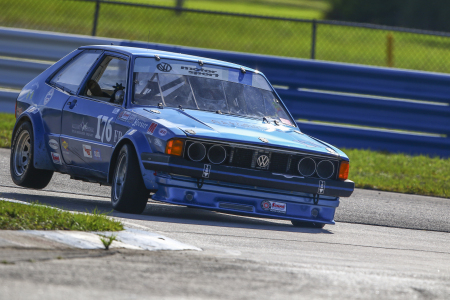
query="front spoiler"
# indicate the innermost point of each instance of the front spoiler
(177, 165)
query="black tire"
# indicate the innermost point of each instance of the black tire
(21, 163)
(303, 224)
(128, 192)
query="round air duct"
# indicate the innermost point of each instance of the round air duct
(325, 169)
(196, 151)
(217, 154)
(306, 166)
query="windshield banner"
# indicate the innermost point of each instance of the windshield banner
(166, 66)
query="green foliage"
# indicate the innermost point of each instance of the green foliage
(7, 122)
(107, 240)
(422, 175)
(421, 14)
(16, 216)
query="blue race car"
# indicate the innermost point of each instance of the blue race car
(186, 130)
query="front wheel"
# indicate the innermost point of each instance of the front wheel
(128, 192)
(23, 173)
(307, 224)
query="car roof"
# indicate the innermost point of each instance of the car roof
(142, 52)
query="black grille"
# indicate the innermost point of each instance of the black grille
(234, 206)
(278, 162)
(284, 163)
(242, 158)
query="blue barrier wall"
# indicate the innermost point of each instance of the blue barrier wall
(394, 110)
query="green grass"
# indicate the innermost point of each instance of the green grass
(16, 216)
(421, 175)
(7, 122)
(292, 39)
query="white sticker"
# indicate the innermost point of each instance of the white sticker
(206, 171)
(321, 187)
(56, 158)
(162, 132)
(53, 144)
(87, 151)
(278, 207)
(48, 96)
(115, 111)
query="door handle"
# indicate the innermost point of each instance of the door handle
(72, 103)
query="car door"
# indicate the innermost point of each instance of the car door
(89, 118)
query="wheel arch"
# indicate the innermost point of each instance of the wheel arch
(41, 157)
(139, 143)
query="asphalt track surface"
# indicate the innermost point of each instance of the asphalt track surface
(384, 246)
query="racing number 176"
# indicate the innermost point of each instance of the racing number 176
(106, 127)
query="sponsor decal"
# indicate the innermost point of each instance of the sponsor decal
(65, 144)
(56, 158)
(115, 111)
(124, 115)
(265, 205)
(83, 129)
(158, 142)
(164, 67)
(87, 151)
(53, 144)
(278, 207)
(49, 96)
(162, 132)
(200, 71)
(96, 153)
(263, 161)
(139, 123)
(117, 135)
(206, 171)
(131, 118)
(321, 187)
(152, 128)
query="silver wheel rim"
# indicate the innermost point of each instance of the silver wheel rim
(22, 153)
(119, 177)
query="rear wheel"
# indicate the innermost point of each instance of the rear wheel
(23, 172)
(307, 224)
(128, 192)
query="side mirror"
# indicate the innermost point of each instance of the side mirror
(118, 97)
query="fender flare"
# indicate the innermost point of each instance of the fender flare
(40, 152)
(139, 142)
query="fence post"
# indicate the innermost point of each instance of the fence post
(97, 9)
(313, 38)
(390, 50)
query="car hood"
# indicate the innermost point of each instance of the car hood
(229, 128)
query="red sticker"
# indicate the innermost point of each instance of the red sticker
(151, 128)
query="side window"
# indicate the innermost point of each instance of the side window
(70, 77)
(109, 79)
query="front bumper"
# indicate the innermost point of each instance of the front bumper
(177, 165)
(243, 200)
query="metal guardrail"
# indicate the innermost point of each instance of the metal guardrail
(396, 110)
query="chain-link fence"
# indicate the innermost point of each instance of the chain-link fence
(323, 40)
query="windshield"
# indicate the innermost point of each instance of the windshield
(211, 88)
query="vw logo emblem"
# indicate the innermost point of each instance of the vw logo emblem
(164, 67)
(263, 161)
